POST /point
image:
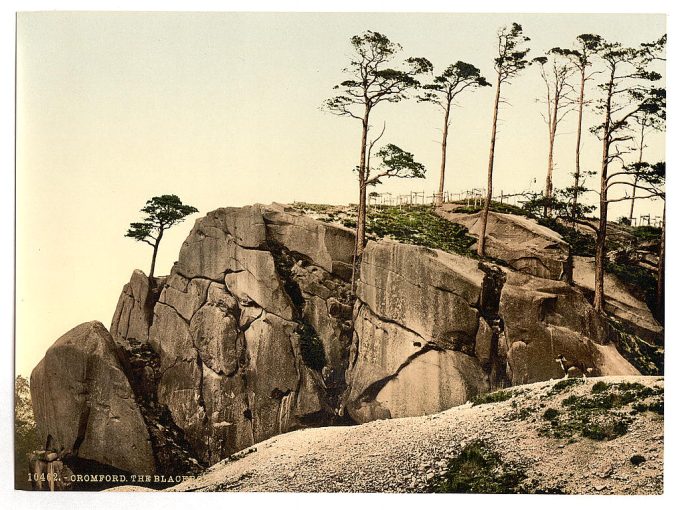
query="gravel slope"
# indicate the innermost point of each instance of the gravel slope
(402, 455)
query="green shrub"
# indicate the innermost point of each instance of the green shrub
(550, 414)
(597, 416)
(494, 207)
(636, 460)
(582, 245)
(478, 470)
(599, 387)
(646, 357)
(606, 429)
(562, 385)
(419, 225)
(489, 398)
(636, 278)
(311, 348)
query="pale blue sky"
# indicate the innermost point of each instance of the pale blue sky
(224, 109)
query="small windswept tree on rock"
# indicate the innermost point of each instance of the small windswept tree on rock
(161, 213)
(372, 80)
(395, 162)
(442, 92)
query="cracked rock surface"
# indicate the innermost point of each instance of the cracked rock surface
(524, 244)
(83, 400)
(406, 454)
(255, 332)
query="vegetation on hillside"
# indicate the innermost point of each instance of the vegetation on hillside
(646, 357)
(603, 415)
(417, 225)
(25, 432)
(421, 226)
(479, 470)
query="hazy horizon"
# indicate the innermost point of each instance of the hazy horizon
(223, 109)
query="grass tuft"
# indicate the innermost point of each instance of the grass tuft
(478, 470)
(489, 398)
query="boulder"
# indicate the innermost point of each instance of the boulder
(82, 399)
(544, 319)
(330, 247)
(212, 248)
(525, 245)
(431, 292)
(620, 303)
(134, 310)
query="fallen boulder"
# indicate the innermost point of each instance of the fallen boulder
(83, 401)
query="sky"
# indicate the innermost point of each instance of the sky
(224, 109)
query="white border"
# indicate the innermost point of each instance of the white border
(18, 499)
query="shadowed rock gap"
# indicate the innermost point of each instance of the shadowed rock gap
(490, 298)
(173, 454)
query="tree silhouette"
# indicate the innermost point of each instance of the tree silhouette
(555, 71)
(509, 62)
(372, 81)
(443, 91)
(582, 57)
(629, 95)
(161, 213)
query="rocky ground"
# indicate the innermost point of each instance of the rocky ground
(594, 436)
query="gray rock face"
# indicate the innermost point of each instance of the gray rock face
(433, 330)
(134, 310)
(524, 244)
(544, 319)
(82, 398)
(254, 291)
(330, 247)
(255, 333)
(414, 333)
(620, 303)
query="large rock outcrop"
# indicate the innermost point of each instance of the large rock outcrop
(255, 332)
(545, 319)
(525, 245)
(621, 304)
(251, 327)
(83, 400)
(434, 329)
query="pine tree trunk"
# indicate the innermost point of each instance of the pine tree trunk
(489, 186)
(155, 252)
(577, 172)
(551, 152)
(600, 248)
(440, 196)
(661, 277)
(635, 181)
(361, 214)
